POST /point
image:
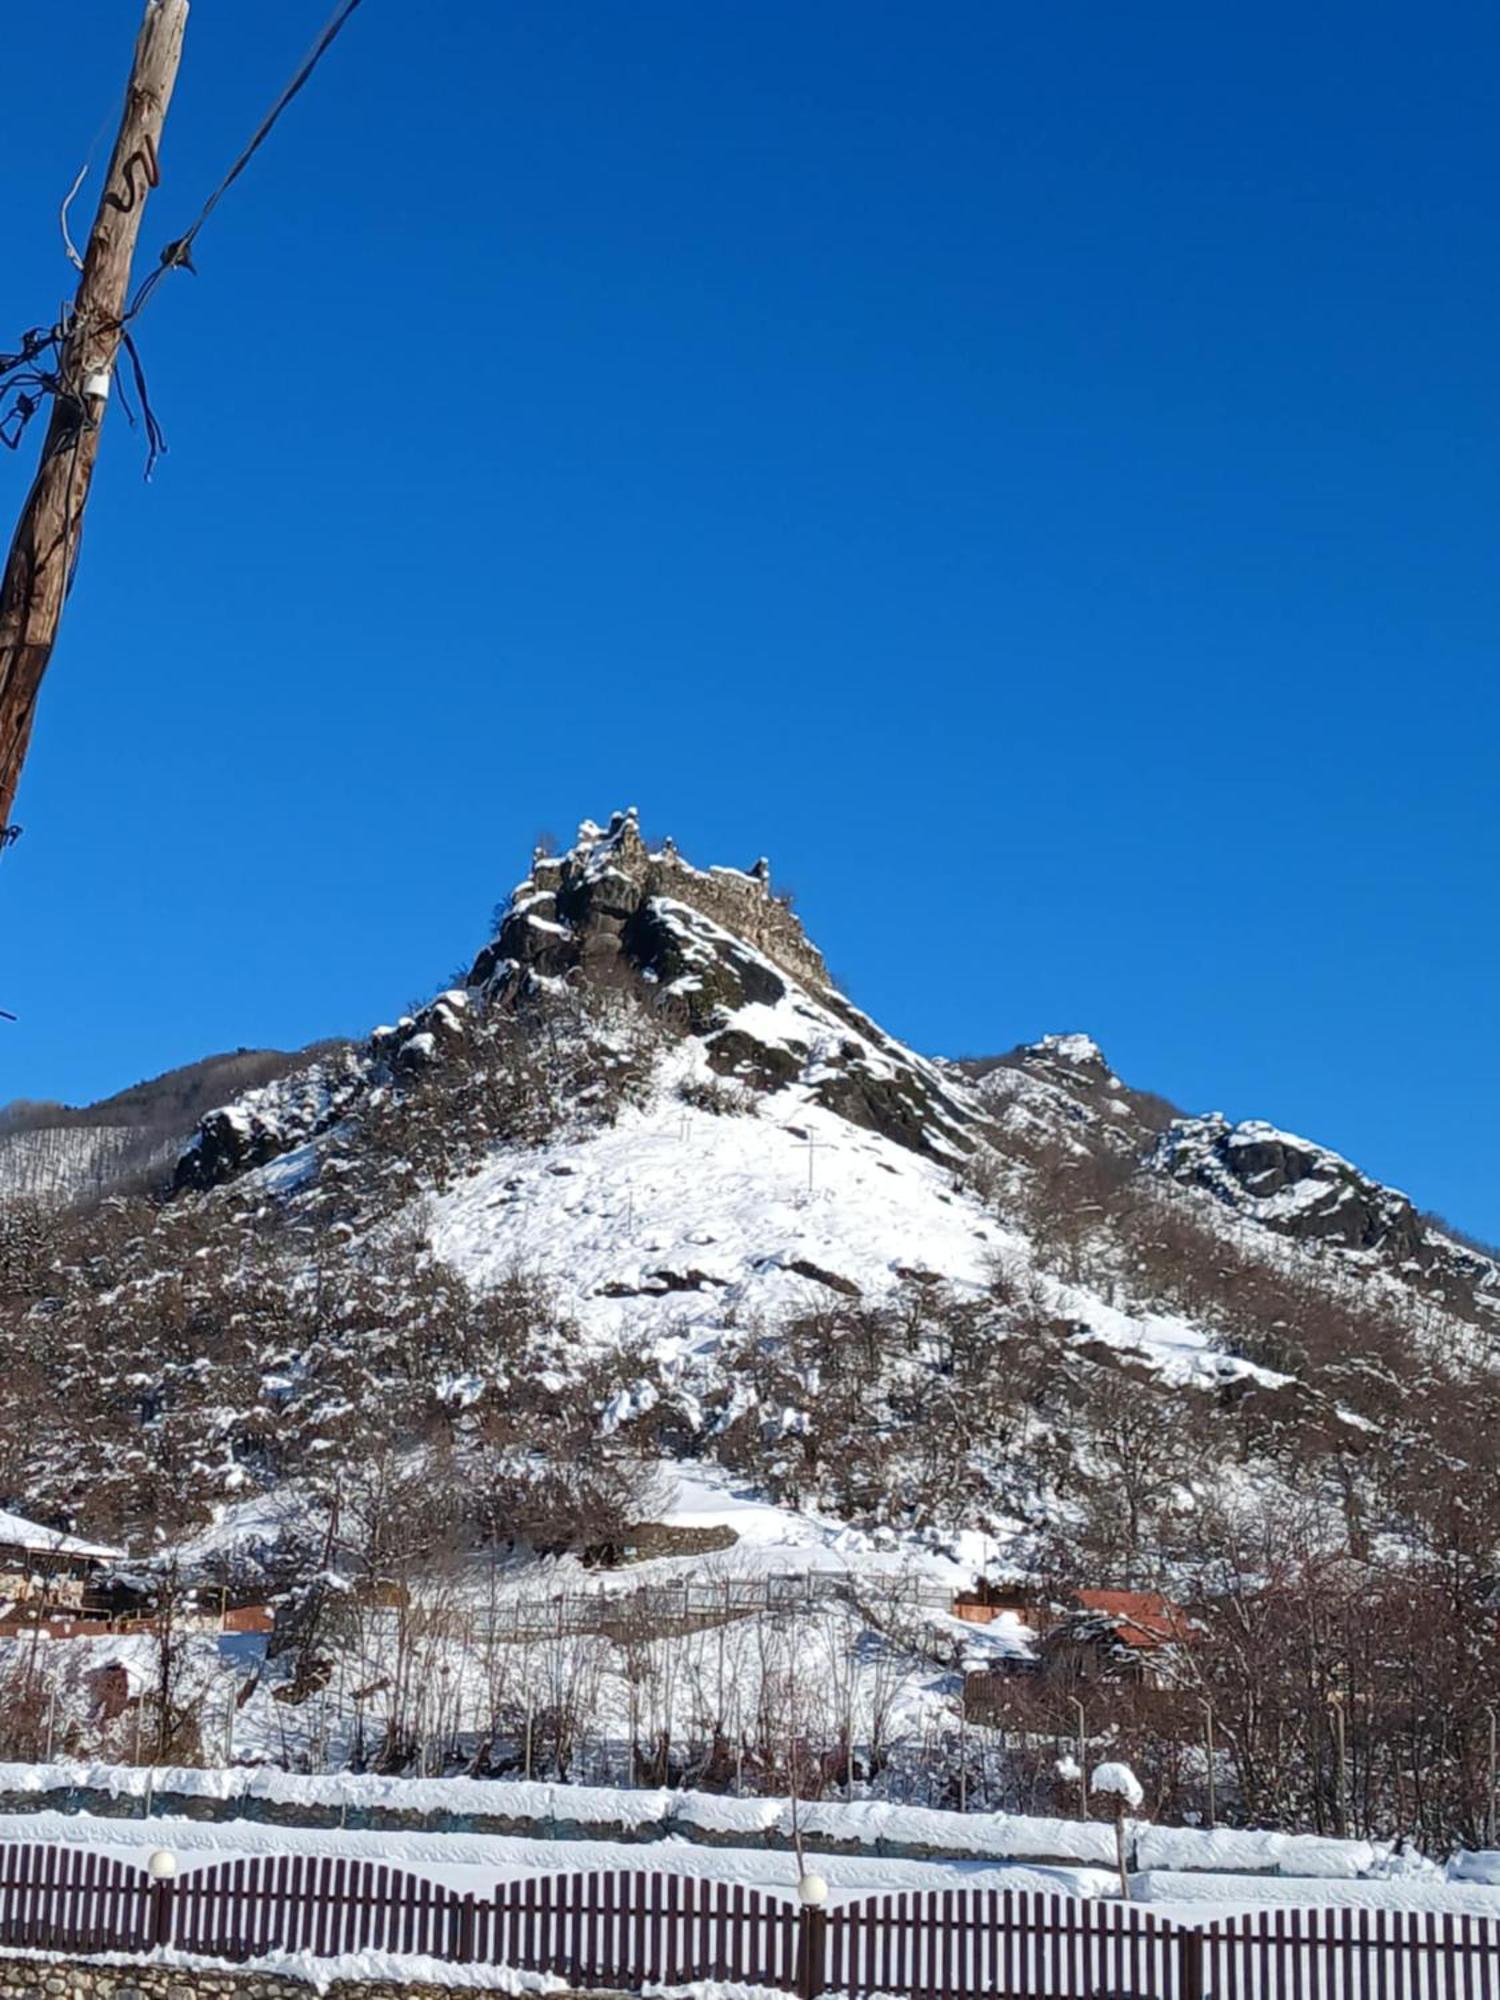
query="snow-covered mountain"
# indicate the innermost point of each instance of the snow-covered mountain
(649, 1108)
(773, 1150)
(644, 1246)
(650, 1102)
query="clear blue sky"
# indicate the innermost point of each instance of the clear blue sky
(1031, 470)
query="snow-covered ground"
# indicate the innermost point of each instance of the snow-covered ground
(739, 1200)
(677, 1222)
(477, 1861)
(716, 1837)
(479, 1865)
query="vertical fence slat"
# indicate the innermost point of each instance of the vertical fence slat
(720, 1955)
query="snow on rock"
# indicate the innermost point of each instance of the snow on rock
(1081, 1050)
(1298, 1189)
(1288, 1183)
(270, 1121)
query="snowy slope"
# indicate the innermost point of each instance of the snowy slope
(675, 1220)
(63, 1163)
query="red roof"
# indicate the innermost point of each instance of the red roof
(1141, 1618)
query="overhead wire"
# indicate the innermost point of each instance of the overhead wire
(178, 254)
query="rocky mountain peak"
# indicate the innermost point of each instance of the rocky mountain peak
(606, 897)
(714, 953)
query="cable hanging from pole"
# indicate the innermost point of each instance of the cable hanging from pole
(177, 255)
(26, 380)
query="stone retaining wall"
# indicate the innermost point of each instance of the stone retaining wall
(47, 1979)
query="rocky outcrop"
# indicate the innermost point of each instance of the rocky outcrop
(610, 897)
(1293, 1186)
(266, 1123)
(1306, 1192)
(1062, 1087)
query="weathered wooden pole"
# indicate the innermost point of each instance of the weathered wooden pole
(45, 546)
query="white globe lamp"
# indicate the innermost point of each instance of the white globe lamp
(812, 1892)
(162, 1866)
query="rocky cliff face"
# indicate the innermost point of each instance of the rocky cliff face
(263, 1124)
(613, 898)
(1064, 1084)
(1291, 1185)
(1311, 1195)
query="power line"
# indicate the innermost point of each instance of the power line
(179, 253)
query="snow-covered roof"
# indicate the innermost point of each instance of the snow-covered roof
(16, 1532)
(1142, 1618)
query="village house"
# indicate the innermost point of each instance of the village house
(44, 1570)
(987, 1602)
(1119, 1636)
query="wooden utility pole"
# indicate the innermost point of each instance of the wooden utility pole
(45, 547)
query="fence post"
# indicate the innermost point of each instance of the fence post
(1190, 1965)
(812, 1946)
(161, 1911)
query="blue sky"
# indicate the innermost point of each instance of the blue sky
(1032, 471)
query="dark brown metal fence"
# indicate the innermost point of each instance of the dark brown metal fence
(626, 1928)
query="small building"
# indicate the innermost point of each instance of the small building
(1119, 1635)
(988, 1601)
(44, 1569)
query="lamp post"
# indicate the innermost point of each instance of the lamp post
(162, 1869)
(812, 1923)
(1083, 1760)
(1208, 1747)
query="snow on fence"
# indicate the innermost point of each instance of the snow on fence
(629, 1929)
